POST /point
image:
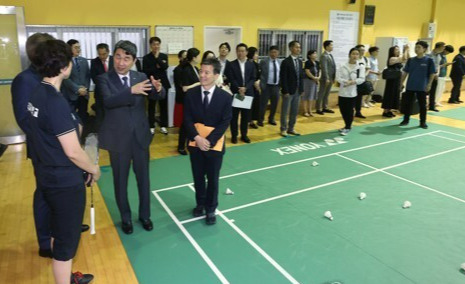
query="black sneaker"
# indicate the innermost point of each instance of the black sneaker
(359, 115)
(424, 125)
(327, 110)
(3, 149)
(404, 122)
(79, 278)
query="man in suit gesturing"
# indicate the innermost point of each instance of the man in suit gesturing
(328, 75)
(241, 75)
(269, 84)
(99, 65)
(211, 106)
(456, 75)
(76, 88)
(125, 131)
(292, 87)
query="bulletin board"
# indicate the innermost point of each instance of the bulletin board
(175, 38)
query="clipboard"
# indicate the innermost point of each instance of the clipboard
(242, 102)
(204, 131)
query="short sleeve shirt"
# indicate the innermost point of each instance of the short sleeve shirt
(419, 71)
(49, 118)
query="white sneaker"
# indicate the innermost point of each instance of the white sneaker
(370, 104)
(439, 105)
(341, 129)
(365, 105)
(152, 130)
(345, 132)
(163, 130)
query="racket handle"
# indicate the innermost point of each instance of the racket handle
(92, 221)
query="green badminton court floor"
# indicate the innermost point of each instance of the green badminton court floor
(272, 230)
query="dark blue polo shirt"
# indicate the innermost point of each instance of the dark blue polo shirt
(50, 117)
(419, 71)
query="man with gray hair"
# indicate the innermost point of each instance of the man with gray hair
(125, 131)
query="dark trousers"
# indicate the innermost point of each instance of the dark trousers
(358, 103)
(80, 107)
(254, 112)
(346, 107)
(432, 94)
(456, 86)
(206, 164)
(408, 97)
(182, 139)
(67, 206)
(120, 163)
(244, 121)
(270, 93)
(163, 105)
(42, 220)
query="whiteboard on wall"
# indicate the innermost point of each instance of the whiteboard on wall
(175, 38)
(343, 31)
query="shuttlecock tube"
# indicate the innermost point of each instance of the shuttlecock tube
(362, 195)
(329, 215)
(407, 204)
(92, 221)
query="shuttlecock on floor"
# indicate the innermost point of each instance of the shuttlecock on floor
(329, 215)
(362, 195)
(462, 266)
(315, 163)
(407, 204)
(229, 191)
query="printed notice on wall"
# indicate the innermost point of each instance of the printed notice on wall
(343, 31)
(175, 38)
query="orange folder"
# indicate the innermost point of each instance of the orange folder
(204, 131)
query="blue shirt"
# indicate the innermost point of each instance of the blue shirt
(49, 118)
(419, 70)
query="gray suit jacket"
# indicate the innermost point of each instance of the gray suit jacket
(328, 67)
(77, 79)
(265, 70)
(125, 117)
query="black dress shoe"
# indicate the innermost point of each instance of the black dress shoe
(328, 110)
(453, 102)
(147, 224)
(434, 109)
(197, 212)
(260, 124)
(245, 139)
(210, 219)
(272, 122)
(320, 112)
(84, 228)
(182, 152)
(127, 227)
(79, 278)
(234, 140)
(459, 102)
(359, 115)
(424, 125)
(47, 253)
(253, 125)
(3, 148)
(404, 122)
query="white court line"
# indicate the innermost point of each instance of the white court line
(407, 180)
(451, 139)
(192, 241)
(254, 245)
(443, 131)
(375, 170)
(304, 160)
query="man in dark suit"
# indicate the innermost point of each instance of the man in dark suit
(241, 75)
(269, 84)
(155, 64)
(76, 87)
(99, 65)
(328, 75)
(211, 106)
(291, 75)
(456, 75)
(125, 131)
(23, 85)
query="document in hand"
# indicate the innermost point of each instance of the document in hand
(204, 131)
(242, 102)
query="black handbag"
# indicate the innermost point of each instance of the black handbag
(391, 73)
(365, 88)
(413, 107)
